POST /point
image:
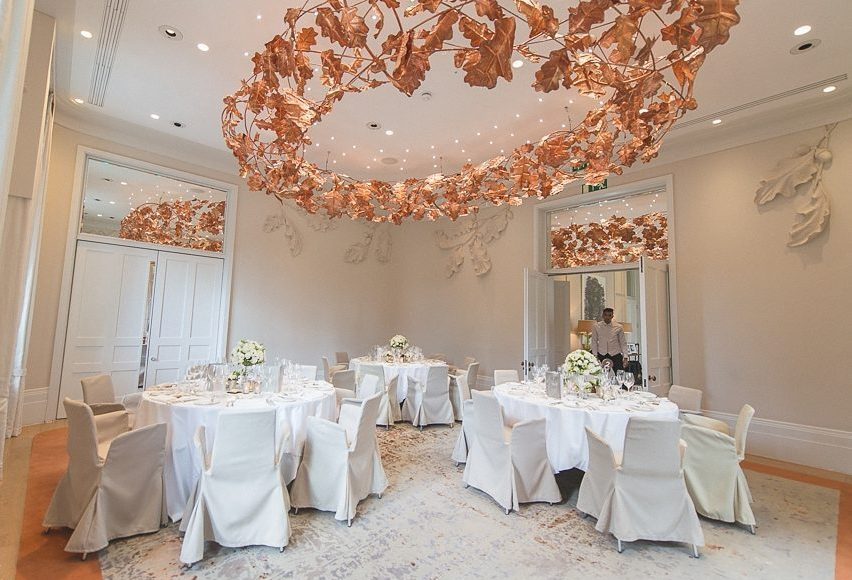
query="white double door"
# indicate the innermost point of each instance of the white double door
(141, 316)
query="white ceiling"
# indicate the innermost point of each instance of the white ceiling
(180, 83)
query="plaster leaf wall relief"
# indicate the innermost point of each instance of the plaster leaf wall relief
(802, 173)
(473, 239)
(376, 238)
(282, 220)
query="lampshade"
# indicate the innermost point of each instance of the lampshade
(626, 326)
(584, 326)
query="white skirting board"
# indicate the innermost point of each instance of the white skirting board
(35, 401)
(801, 444)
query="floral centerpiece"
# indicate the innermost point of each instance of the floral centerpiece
(583, 363)
(398, 342)
(247, 353)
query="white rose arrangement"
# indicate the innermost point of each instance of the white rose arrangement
(398, 342)
(582, 362)
(247, 353)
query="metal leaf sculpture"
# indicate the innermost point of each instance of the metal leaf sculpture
(474, 237)
(197, 224)
(805, 168)
(611, 241)
(641, 56)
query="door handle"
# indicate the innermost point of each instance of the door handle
(153, 359)
(650, 377)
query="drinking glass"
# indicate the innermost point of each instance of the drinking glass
(629, 380)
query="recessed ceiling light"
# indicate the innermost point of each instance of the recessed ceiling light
(202, 47)
(829, 89)
(86, 34)
(100, 215)
(389, 132)
(259, 16)
(112, 203)
(717, 121)
(123, 183)
(802, 30)
(517, 63)
(246, 53)
(155, 116)
(805, 46)
(78, 100)
(170, 32)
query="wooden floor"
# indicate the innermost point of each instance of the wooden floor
(36, 461)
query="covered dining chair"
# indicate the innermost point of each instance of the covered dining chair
(341, 464)
(342, 358)
(460, 387)
(505, 376)
(644, 496)
(428, 403)
(508, 463)
(113, 487)
(240, 498)
(687, 400)
(99, 394)
(344, 385)
(712, 470)
(389, 411)
(466, 434)
(329, 369)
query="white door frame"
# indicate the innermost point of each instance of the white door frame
(83, 155)
(541, 248)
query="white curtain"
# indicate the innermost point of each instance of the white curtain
(19, 248)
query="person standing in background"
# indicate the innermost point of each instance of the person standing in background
(608, 340)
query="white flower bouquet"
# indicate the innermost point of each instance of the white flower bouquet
(398, 342)
(248, 353)
(583, 363)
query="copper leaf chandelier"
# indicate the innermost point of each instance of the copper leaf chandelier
(197, 224)
(639, 57)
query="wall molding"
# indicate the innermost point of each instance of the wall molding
(819, 447)
(35, 404)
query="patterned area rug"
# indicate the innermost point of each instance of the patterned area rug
(427, 525)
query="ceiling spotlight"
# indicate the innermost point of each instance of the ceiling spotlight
(260, 17)
(202, 47)
(829, 89)
(112, 203)
(123, 183)
(155, 116)
(717, 121)
(100, 215)
(78, 100)
(246, 53)
(170, 32)
(86, 34)
(517, 63)
(802, 30)
(389, 132)
(805, 46)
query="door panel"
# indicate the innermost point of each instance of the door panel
(538, 317)
(107, 317)
(186, 315)
(655, 325)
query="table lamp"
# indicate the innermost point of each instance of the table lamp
(584, 329)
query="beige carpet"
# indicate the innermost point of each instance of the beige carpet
(428, 526)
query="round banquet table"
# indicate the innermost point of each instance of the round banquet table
(183, 413)
(399, 371)
(567, 420)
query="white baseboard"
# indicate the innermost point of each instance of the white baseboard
(35, 401)
(801, 444)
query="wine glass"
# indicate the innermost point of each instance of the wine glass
(629, 380)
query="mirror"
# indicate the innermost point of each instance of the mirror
(132, 204)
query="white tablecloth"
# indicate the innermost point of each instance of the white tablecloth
(185, 414)
(566, 433)
(398, 371)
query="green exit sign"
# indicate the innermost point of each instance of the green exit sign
(590, 187)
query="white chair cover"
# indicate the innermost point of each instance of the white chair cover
(508, 463)
(240, 498)
(466, 434)
(598, 480)
(389, 412)
(99, 394)
(460, 387)
(648, 499)
(329, 370)
(505, 376)
(339, 470)
(113, 495)
(714, 477)
(308, 372)
(344, 386)
(688, 400)
(429, 403)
